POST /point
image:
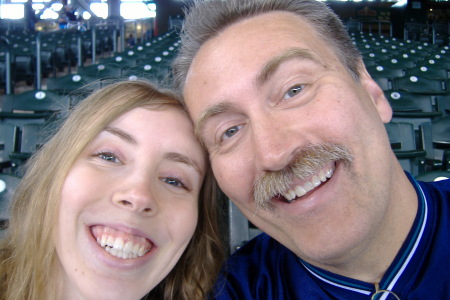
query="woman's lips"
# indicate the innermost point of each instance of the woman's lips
(121, 244)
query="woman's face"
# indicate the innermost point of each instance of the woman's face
(129, 206)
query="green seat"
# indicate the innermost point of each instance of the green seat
(33, 137)
(101, 71)
(390, 72)
(8, 138)
(432, 176)
(398, 62)
(402, 137)
(420, 85)
(412, 108)
(443, 104)
(384, 83)
(426, 70)
(121, 59)
(37, 106)
(72, 84)
(145, 71)
(436, 136)
(33, 104)
(8, 186)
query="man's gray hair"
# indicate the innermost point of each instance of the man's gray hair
(206, 19)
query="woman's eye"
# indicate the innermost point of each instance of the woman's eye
(293, 91)
(231, 131)
(175, 182)
(108, 157)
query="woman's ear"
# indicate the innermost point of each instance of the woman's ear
(376, 93)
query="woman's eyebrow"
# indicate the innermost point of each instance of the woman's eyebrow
(173, 156)
(181, 158)
(121, 134)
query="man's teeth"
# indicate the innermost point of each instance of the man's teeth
(314, 182)
(121, 249)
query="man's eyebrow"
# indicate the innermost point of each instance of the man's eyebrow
(121, 134)
(207, 114)
(266, 72)
(272, 65)
(181, 158)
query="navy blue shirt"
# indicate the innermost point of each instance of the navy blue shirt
(265, 269)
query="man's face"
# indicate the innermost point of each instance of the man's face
(295, 142)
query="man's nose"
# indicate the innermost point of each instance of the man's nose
(273, 143)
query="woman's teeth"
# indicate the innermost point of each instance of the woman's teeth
(121, 249)
(314, 182)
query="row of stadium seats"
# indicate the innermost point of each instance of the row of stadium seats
(57, 51)
(419, 132)
(69, 49)
(43, 106)
(28, 119)
(389, 58)
(414, 76)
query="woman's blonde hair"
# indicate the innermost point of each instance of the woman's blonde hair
(28, 258)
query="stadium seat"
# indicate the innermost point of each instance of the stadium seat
(420, 85)
(380, 71)
(428, 71)
(240, 229)
(8, 186)
(398, 63)
(412, 108)
(443, 104)
(384, 83)
(73, 85)
(436, 139)
(101, 71)
(34, 104)
(122, 60)
(402, 137)
(432, 176)
(24, 67)
(33, 137)
(8, 138)
(145, 71)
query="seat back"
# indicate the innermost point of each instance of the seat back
(35, 101)
(407, 149)
(34, 136)
(8, 139)
(428, 71)
(70, 83)
(101, 71)
(443, 104)
(8, 186)
(436, 135)
(387, 72)
(145, 71)
(412, 108)
(420, 85)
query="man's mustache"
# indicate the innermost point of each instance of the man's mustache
(303, 166)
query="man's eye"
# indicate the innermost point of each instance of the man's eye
(174, 181)
(293, 91)
(231, 131)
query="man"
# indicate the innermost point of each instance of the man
(293, 125)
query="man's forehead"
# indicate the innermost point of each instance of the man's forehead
(235, 55)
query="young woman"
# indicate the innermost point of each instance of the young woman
(119, 204)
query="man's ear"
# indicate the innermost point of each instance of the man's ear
(376, 93)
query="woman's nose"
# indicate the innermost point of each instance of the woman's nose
(137, 196)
